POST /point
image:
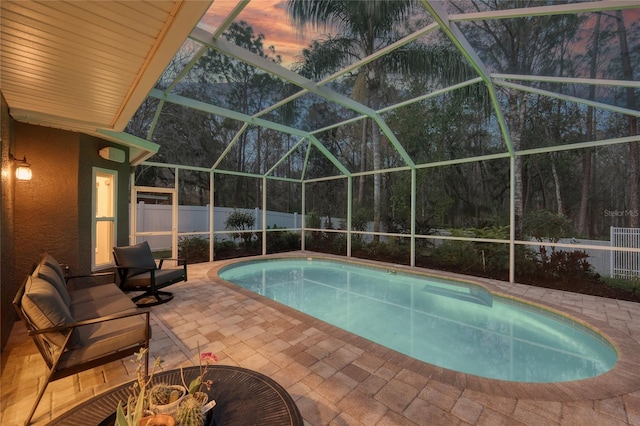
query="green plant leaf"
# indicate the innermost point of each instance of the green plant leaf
(121, 418)
(195, 385)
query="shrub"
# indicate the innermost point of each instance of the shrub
(389, 251)
(194, 249)
(282, 241)
(571, 263)
(629, 284)
(224, 249)
(472, 255)
(241, 221)
(359, 222)
(545, 226)
(313, 220)
(327, 242)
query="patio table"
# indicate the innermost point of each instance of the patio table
(243, 397)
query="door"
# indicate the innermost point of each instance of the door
(154, 220)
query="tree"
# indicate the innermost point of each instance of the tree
(583, 215)
(364, 28)
(185, 136)
(245, 89)
(634, 157)
(525, 46)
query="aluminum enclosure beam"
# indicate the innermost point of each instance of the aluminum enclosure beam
(436, 10)
(221, 45)
(560, 9)
(550, 94)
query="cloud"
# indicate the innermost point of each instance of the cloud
(267, 17)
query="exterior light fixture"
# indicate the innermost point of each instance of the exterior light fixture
(23, 169)
(112, 154)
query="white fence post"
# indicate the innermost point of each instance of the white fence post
(611, 253)
(257, 218)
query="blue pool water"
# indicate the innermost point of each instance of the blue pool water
(451, 324)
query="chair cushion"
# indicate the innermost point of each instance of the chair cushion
(94, 293)
(45, 308)
(46, 272)
(108, 305)
(102, 338)
(134, 257)
(51, 262)
(163, 277)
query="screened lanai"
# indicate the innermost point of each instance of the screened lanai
(493, 138)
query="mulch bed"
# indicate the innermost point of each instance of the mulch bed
(591, 287)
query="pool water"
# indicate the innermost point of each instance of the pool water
(447, 323)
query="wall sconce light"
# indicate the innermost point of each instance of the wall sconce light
(23, 169)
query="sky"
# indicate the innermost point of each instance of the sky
(268, 17)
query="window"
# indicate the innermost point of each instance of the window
(104, 217)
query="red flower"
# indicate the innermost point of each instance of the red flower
(208, 357)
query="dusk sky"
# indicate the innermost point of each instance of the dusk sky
(268, 17)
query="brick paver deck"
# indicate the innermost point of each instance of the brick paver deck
(340, 379)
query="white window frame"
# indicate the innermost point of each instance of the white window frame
(95, 220)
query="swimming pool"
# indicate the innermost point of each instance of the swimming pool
(447, 323)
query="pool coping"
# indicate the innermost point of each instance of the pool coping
(623, 378)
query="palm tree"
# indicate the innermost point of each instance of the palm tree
(365, 27)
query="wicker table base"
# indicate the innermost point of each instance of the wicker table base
(243, 397)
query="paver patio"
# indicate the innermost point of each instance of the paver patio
(340, 379)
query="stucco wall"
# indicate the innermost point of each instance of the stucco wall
(52, 212)
(8, 285)
(46, 218)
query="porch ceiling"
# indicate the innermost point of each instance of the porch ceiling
(86, 66)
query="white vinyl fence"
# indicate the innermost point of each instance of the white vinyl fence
(194, 219)
(157, 217)
(625, 264)
(611, 263)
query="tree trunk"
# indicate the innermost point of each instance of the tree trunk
(556, 180)
(627, 71)
(363, 162)
(553, 158)
(377, 178)
(259, 166)
(240, 165)
(583, 214)
(517, 110)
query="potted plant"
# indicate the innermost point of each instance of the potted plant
(137, 416)
(165, 398)
(189, 412)
(196, 385)
(135, 412)
(158, 404)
